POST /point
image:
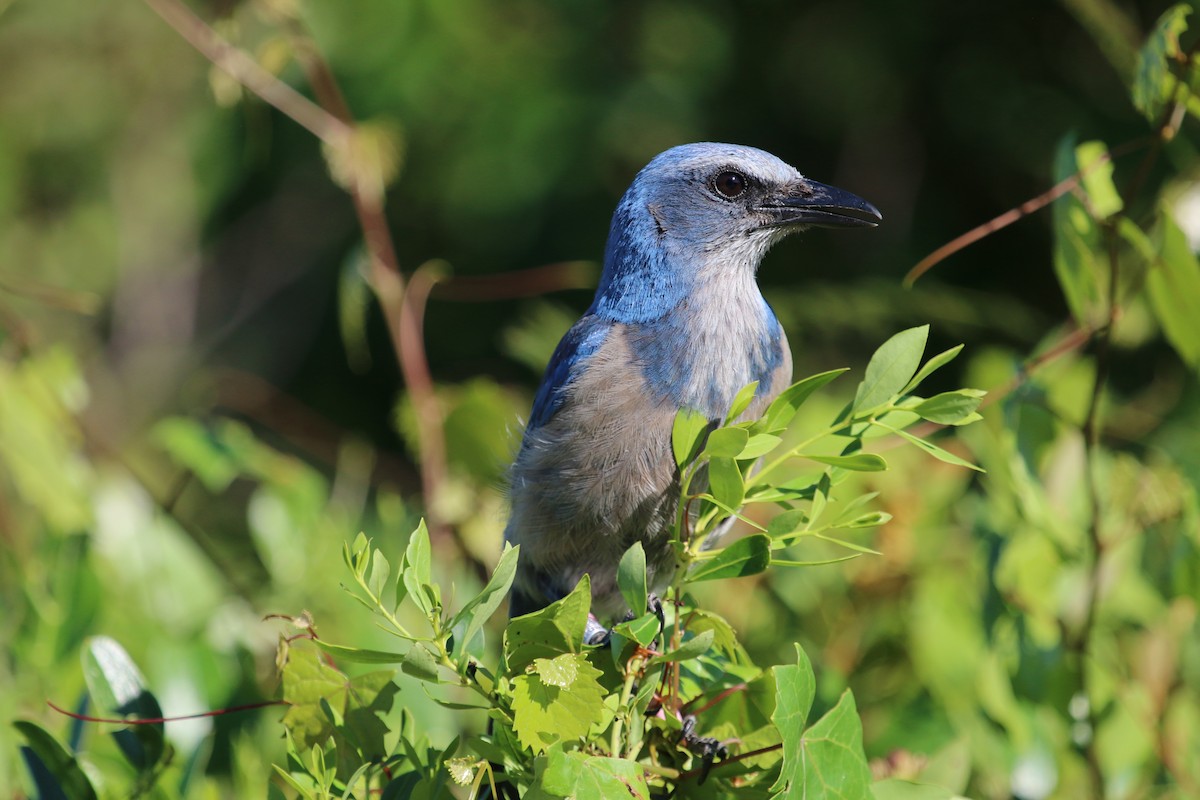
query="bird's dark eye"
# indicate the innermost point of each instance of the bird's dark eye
(730, 184)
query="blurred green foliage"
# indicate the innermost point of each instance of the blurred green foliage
(196, 410)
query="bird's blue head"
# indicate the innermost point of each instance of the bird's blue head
(708, 211)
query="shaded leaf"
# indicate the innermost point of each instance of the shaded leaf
(697, 645)
(117, 686)
(55, 772)
(1173, 285)
(548, 632)
(725, 481)
(747, 556)
(631, 579)
(586, 777)
(480, 608)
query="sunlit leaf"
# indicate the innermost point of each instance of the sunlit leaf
(746, 556)
(1153, 83)
(726, 442)
(784, 408)
(117, 686)
(1097, 177)
(933, 364)
(479, 609)
(951, 408)
(725, 481)
(857, 462)
(686, 433)
(1173, 285)
(741, 401)
(631, 579)
(544, 711)
(891, 368)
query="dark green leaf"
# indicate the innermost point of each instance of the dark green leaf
(747, 556)
(631, 579)
(117, 686)
(1077, 246)
(419, 663)
(786, 523)
(1153, 84)
(55, 772)
(694, 647)
(891, 368)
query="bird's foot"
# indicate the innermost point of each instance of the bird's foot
(708, 748)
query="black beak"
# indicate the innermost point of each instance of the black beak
(812, 203)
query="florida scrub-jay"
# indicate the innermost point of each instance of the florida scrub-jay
(678, 320)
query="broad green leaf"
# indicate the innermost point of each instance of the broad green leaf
(891, 368)
(725, 481)
(419, 663)
(746, 556)
(759, 444)
(726, 442)
(835, 766)
(724, 638)
(480, 608)
(1077, 246)
(548, 632)
(631, 579)
(786, 523)
(935, 451)
(930, 366)
(951, 408)
(584, 777)
(784, 408)
(117, 686)
(1097, 177)
(741, 401)
(561, 671)
(56, 773)
(378, 574)
(857, 462)
(642, 630)
(1153, 83)
(545, 712)
(686, 434)
(696, 646)
(1173, 285)
(795, 687)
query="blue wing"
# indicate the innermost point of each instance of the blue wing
(580, 342)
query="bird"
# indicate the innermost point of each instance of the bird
(677, 321)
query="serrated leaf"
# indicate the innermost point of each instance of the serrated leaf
(1096, 170)
(480, 608)
(694, 647)
(725, 482)
(544, 713)
(891, 368)
(584, 777)
(55, 772)
(686, 434)
(741, 401)
(935, 451)
(117, 686)
(937, 362)
(557, 628)
(1173, 286)
(560, 671)
(856, 462)
(462, 769)
(726, 442)
(784, 408)
(746, 556)
(951, 408)
(631, 579)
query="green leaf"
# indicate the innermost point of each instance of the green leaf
(481, 607)
(631, 579)
(784, 408)
(55, 772)
(758, 445)
(544, 711)
(857, 462)
(548, 632)
(117, 686)
(1153, 84)
(1097, 178)
(694, 647)
(419, 663)
(359, 655)
(871, 519)
(378, 574)
(418, 568)
(890, 368)
(354, 303)
(726, 442)
(933, 450)
(686, 434)
(835, 766)
(584, 777)
(725, 481)
(724, 638)
(741, 401)
(1173, 286)
(746, 556)
(788, 522)
(933, 364)
(951, 408)
(1077, 246)
(795, 687)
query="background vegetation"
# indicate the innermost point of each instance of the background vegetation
(199, 403)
